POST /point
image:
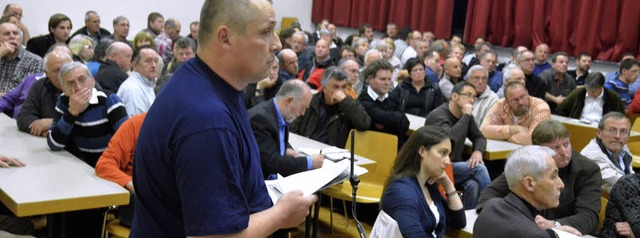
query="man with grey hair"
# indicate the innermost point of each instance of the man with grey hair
(534, 185)
(183, 49)
(137, 92)
(17, 62)
(332, 114)
(477, 76)
(269, 121)
(299, 41)
(121, 30)
(216, 157)
(609, 148)
(536, 86)
(352, 69)
(511, 73)
(38, 110)
(114, 70)
(92, 27)
(164, 41)
(592, 101)
(489, 60)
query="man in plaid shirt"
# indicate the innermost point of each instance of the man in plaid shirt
(15, 62)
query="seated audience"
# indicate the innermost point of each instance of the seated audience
(633, 87)
(136, 92)
(155, 22)
(269, 121)
(514, 57)
(411, 195)
(511, 73)
(288, 64)
(114, 70)
(609, 148)
(452, 75)
(266, 89)
(536, 86)
(542, 54)
(629, 70)
(183, 49)
(383, 110)
(164, 41)
(580, 197)
(489, 61)
(481, 48)
(312, 71)
(92, 27)
(82, 48)
(17, 62)
(583, 64)
(299, 42)
(534, 185)
(559, 82)
(352, 69)
(11, 103)
(623, 213)
(417, 96)
(433, 69)
(455, 118)
(39, 108)
(478, 76)
(592, 101)
(514, 117)
(86, 118)
(59, 31)
(332, 114)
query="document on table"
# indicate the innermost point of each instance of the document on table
(312, 181)
(564, 234)
(332, 153)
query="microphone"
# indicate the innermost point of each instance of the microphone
(354, 187)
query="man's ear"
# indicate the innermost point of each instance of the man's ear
(223, 36)
(529, 183)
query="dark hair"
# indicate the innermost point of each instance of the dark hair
(413, 62)
(101, 50)
(333, 72)
(407, 163)
(561, 53)
(349, 39)
(363, 28)
(284, 34)
(615, 116)
(347, 48)
(628, 64)
(403, 33)
(136, 53)
(594, 80)
(548, 131)
(583, 54)
(512, 85)
(375, 66)
(457, 89)
(152, 17)
(428, 54)
(56, 19)
(184, 43)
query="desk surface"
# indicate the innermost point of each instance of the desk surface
(496, 149)
(298, 141)
(582, 133)
(52, 181)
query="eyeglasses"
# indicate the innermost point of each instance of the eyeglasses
(614, 131)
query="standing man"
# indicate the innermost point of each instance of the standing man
(15, 62)
(217, 185)
(269, 121)
(137, 91)
(456, 119)
(92, 27)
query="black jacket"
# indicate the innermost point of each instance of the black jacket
(264, 122)
(110, 77)
(40, 103)
(418, 103)
(350, 115)
(387, 113)
(41, 44)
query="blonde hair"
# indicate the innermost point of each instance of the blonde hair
(79, 43)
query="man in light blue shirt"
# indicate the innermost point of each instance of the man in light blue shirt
(137, 91)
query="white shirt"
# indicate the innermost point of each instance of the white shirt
(375, 96)
(593, 107)
(137, 93)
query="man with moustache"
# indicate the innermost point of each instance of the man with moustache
(583, 64)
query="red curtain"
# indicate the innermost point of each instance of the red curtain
(606, 29)
(422, 15)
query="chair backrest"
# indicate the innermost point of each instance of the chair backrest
(286, 22)
(634, 147)
(385, 227)
(377, 146)
(636, 125)
(601, 215)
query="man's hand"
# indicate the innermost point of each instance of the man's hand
(6, 162)
(543, 223)
(475, 159)
(402, 74)
(467, 108)
(79, 101)
(6, 48)
(516, 129)
(294, 208)
(40, 127)
(338, 96)
(316, 161)
(559, 99)
(624, 229)
(570, 230)
(291, 153)
(129, 186)
(266, 83)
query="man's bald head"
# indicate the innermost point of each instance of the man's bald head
(235, 14)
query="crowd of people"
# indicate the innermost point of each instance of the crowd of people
(192, 126)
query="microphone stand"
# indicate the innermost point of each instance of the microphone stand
(354, 187)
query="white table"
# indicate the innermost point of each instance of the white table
(51, 182)
(496, 149)
(298, 141)
(582, 133)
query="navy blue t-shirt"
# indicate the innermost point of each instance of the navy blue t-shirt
(197, 167)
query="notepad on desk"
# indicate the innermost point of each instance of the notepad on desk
(312, 181)
(332, 153)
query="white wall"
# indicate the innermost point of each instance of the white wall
(37, 12)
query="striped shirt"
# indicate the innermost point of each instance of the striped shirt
(621, 88)
(500, 117)
(87, 135)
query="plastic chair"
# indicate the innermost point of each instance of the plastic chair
(634, 147)
(601, 215)
(286, 22)
(111, 226)
(376, 146)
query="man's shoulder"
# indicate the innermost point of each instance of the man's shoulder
(580, 162)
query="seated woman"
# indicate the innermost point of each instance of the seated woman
(82, 48)
(411, 195)
(418, 96)
(622, 217)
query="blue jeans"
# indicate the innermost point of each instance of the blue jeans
(470, 181)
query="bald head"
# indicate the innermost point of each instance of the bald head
(453, 67)
(13, 9)
(53, 62)
(121, 54)
(235, 14)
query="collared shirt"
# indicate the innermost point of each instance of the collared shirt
(593, 107)
(446, 85)
(483, 103)
(375, 96)
(619, 160)
(282, 125)
(137, 93)
(163, 44)
(500, 118)
(13, 71)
